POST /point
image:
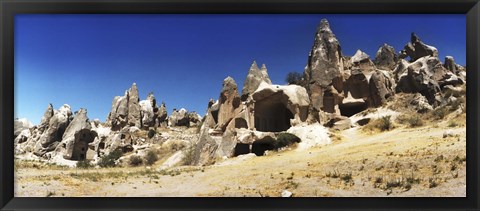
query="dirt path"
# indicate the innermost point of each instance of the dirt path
(401, 162)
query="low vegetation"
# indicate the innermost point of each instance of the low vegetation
(109, 160)
(381, 124)
(285, 139)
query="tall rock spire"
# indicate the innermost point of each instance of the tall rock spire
(254, 78)
(325, 66)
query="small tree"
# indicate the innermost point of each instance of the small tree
(294, 78)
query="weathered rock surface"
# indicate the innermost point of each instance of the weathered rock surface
(20, 125)
(53, 134)
(148, 111)
(422, 76)
(381, 88)
(77, 136)
(254, 78)
(324, 66)
(179, 118)
(416, 49)
(229, 103)
(386, 58)
(134, 117)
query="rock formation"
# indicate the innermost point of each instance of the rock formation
(254, 78)
(386, 58)
(416, 49)
(77, 136)
(324, 69)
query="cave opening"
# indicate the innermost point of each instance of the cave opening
(259, 147)
(272, 116)
(80, 146)
(350, 109)
(241, 149)
(240, 123)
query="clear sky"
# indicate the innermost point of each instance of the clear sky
(87, 60)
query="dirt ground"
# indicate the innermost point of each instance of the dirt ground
(417, 162)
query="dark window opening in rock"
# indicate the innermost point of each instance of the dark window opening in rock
(101, 145)
(363, 122)
(82, 138)
(328, 102)
(350, 109)
(215, 116)
(272, 116)
(259, 147)
(240, 123)
(127, 149)
(241, 149)
(122, 136)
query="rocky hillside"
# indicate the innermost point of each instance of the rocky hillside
(336, 93)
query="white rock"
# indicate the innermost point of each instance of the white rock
(310, 135)
(286, 193)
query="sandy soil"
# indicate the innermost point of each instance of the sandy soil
(401, 162)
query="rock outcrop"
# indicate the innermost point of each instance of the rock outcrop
(229, 103)
(324, 68)
(77, 136)
(416, 49)
(386, 58)
(254, 78)
(19, 125)
(53, 133)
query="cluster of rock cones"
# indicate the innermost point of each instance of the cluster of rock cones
(333, 88)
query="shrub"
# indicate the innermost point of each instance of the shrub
(381, 124)
(439, 113)
(135, 160)
(285, 139)
(109, 160)
(84, 164)
(151, 133)
(415, 121)
(294, 78)
(188, 155)
(151, 157)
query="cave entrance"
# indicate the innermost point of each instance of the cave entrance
(259, 147)
(241, 149)
(80, 146)
(272, 116)
(350, 109)
(240, 123)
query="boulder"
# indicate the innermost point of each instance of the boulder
(359, 57)
(386, 58)
(194, 118)
(449, 64)
(254, 77)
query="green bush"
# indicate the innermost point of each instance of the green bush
(294, 78)
(439, 113)
(135, 160)
(414, 121)
(84, 164)
(188, 155)
(151, 157)
(109, 160)
(151, 133)
(285, 139)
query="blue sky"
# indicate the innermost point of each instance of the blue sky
(87, 60)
